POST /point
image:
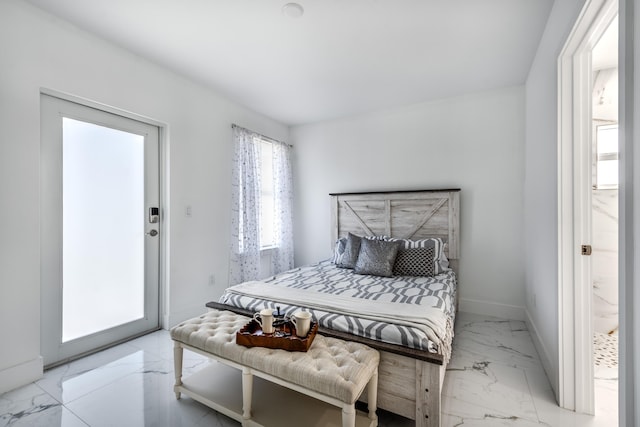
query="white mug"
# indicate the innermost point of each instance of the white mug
(265, 320)
(302, 322)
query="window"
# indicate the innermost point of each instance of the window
(267, 194)
(261, 204)
(606, 156)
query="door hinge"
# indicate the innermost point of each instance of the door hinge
(586, 249)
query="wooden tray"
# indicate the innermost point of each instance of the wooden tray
(284, 337)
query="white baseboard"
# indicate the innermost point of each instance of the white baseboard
(22, 374)
(488, 308)
(543, 353)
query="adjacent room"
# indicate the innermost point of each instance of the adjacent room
(605, 215)
(335, 213)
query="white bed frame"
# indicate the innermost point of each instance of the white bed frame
(410, 382)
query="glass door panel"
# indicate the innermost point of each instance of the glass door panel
(103, 229)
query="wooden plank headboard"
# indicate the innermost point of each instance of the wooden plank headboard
(401, 214)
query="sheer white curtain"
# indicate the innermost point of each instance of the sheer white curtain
(245, 256)
(282, 253)
(244, 262)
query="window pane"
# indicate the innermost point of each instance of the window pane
(267, 202)
(607, 156)
(103, 228)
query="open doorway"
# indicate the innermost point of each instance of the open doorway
(604, 259)
(576, 203)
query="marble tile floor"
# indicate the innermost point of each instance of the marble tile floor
(605, 350)
(494, 379)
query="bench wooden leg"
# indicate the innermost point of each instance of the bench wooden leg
(247, 393)
(177, 366)
(372, 397)
(348, 415)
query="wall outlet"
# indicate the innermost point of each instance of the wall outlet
(188, 211)
(533, 299)
(212, 279)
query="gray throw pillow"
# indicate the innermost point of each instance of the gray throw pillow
(376, 257)
(351, 250)
(338, 250)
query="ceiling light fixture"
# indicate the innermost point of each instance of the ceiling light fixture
(292, 10)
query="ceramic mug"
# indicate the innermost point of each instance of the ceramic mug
(302, 322)
(265, 320)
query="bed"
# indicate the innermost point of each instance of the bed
(414, 341)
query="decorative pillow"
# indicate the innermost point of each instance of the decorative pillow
(440, 261)
(338, 250)
(376, 257)
(415, 262)
(443, 261)
(351, 250)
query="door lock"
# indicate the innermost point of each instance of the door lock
(152, 233)
(586, 250)
(154, 215)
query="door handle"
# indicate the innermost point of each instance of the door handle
(152, 233)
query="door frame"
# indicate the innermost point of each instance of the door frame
(575, 347)
(163, 168)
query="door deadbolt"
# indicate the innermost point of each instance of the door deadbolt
(586, 249)
(152, 233)
(154, 215)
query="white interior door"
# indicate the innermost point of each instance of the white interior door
(100, 225)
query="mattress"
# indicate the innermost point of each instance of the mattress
(438, 292)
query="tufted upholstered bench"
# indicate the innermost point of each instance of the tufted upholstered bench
(332, 370)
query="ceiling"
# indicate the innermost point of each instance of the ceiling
(342, 57)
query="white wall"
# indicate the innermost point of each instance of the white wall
(474, 142)
(604, 260)
(40, 51)
(605, 94)
(540, 188)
